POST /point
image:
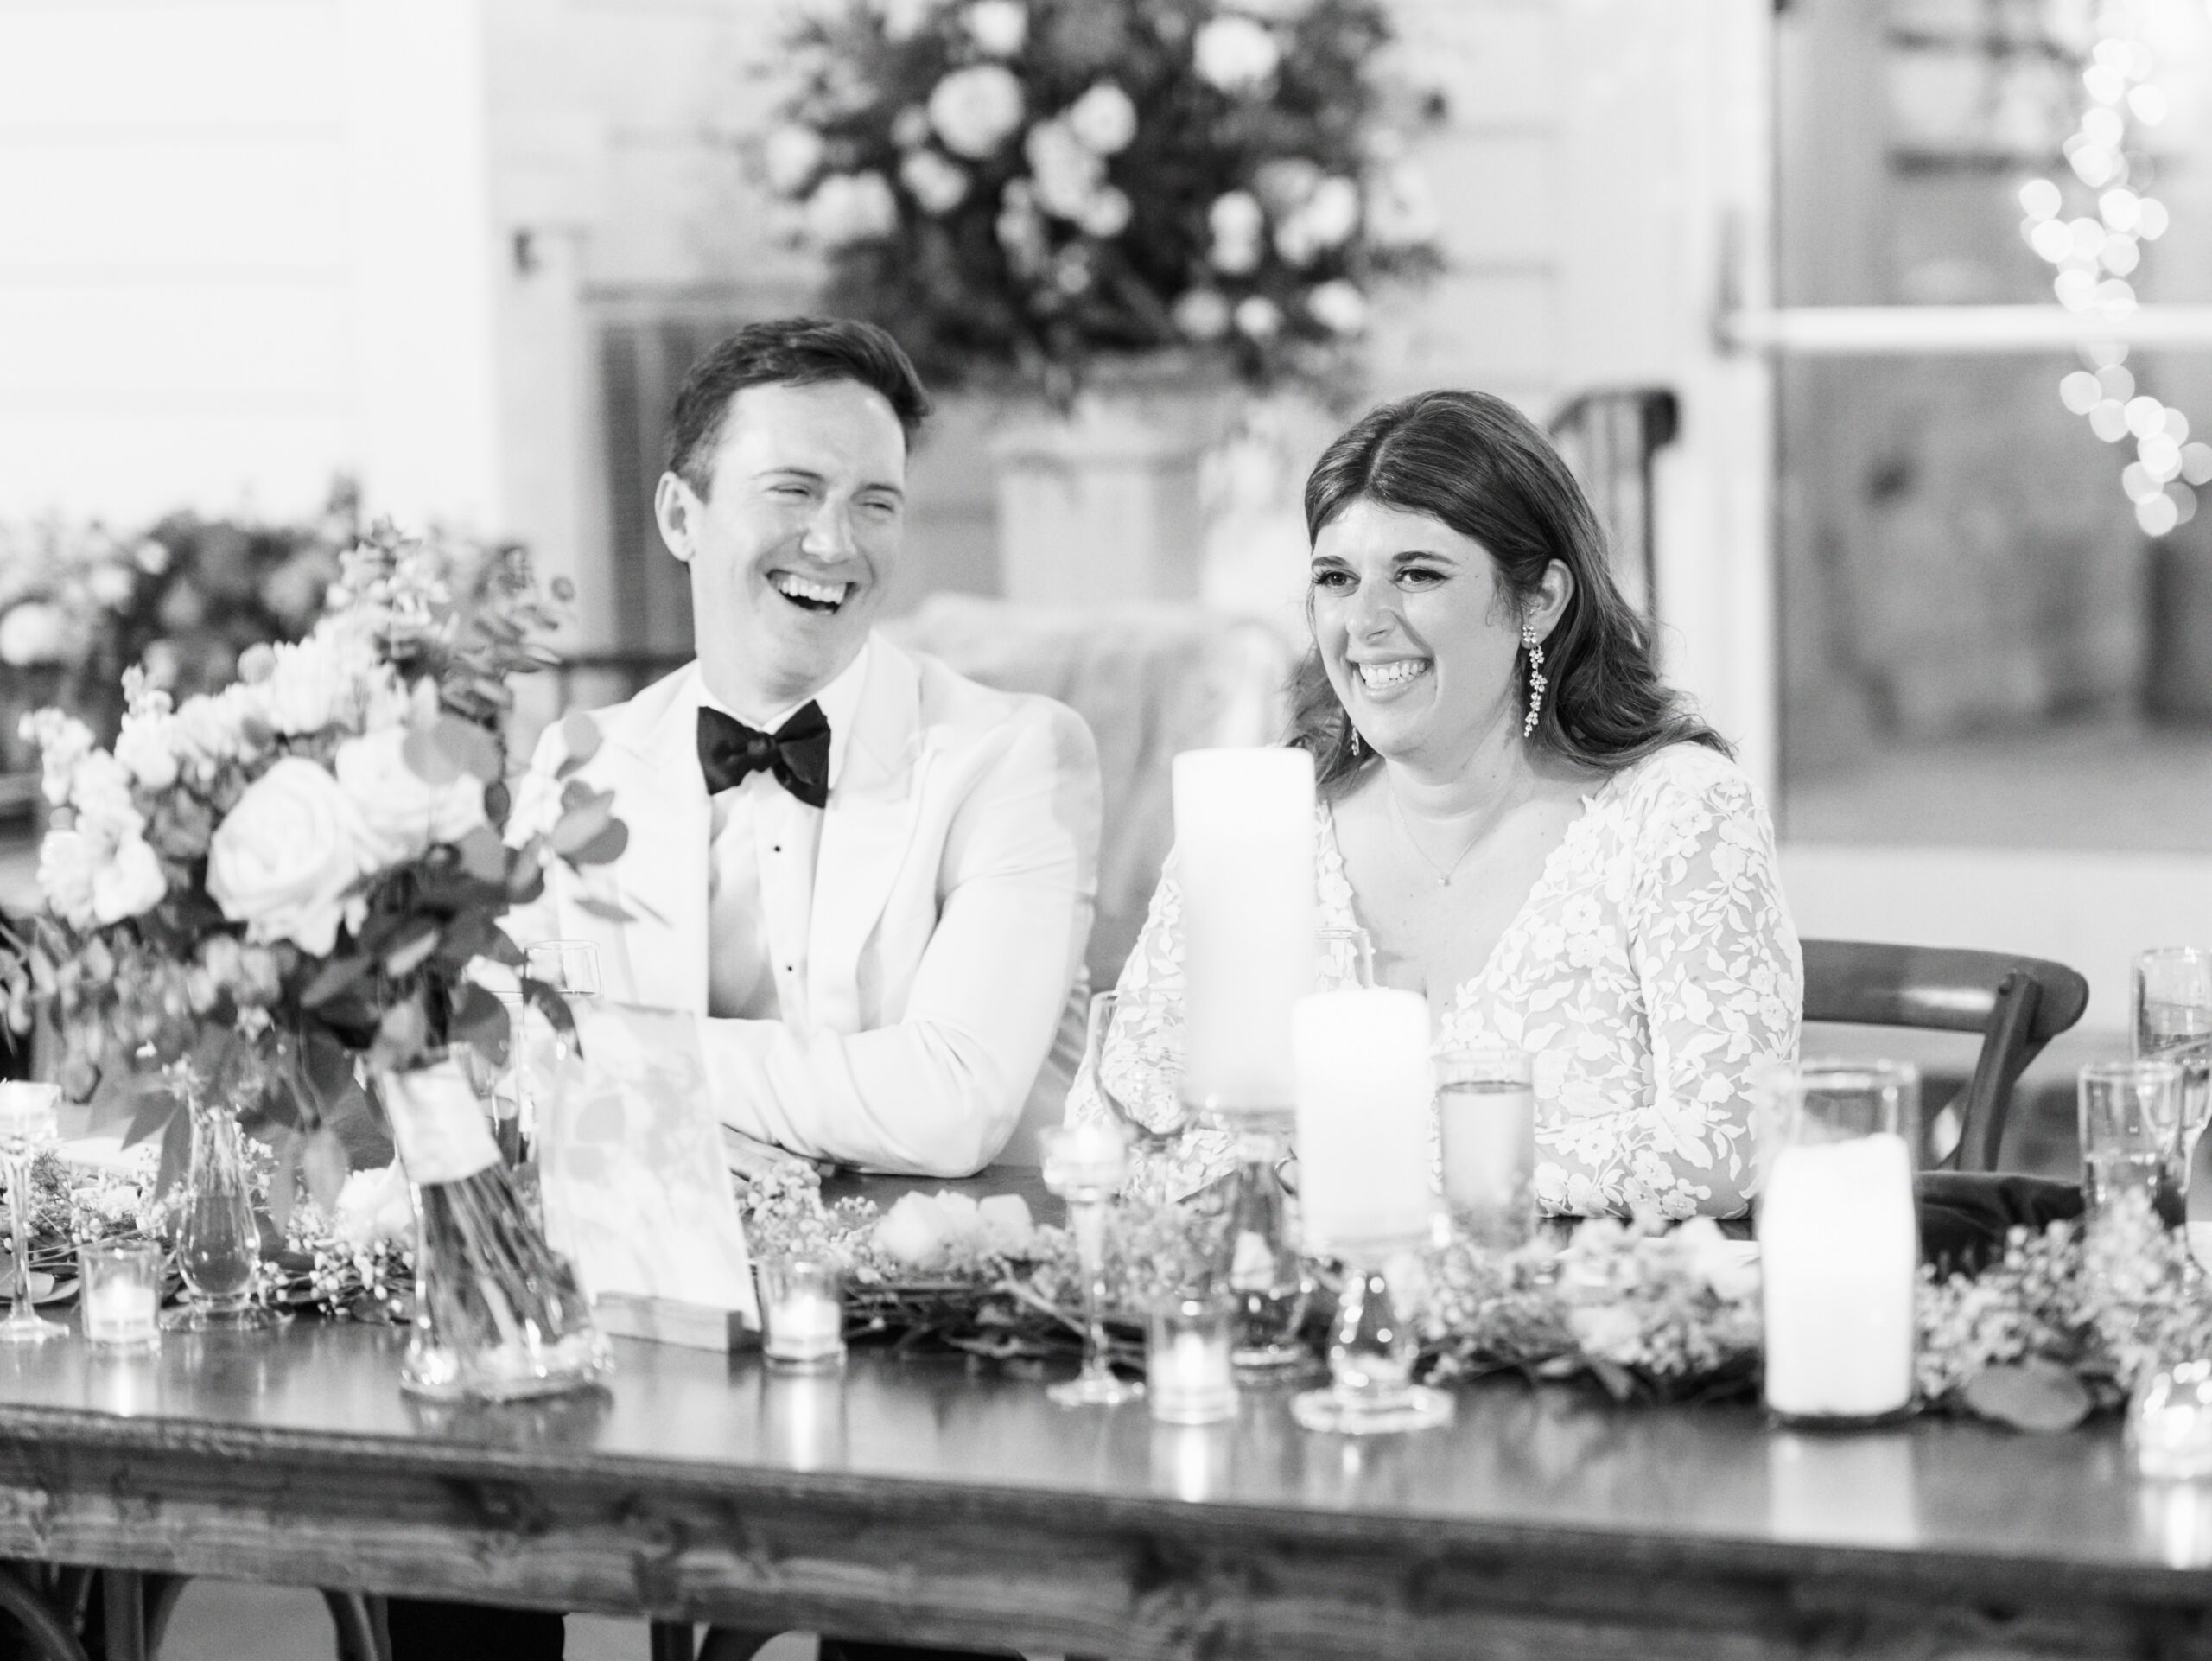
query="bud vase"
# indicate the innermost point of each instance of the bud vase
(498, 1313)
(217, 1242)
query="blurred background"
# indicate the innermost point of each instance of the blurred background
(1819, 293)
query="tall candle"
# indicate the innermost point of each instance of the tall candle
(1364, 1100)
(1839, 1252)
(1244, 850)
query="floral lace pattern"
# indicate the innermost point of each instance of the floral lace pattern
(1653, 961)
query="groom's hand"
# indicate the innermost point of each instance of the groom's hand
(748, 1156)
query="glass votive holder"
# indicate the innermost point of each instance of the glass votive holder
(2170, 1423)
(1190, 1374)
(119, 1292)
(802, 1312)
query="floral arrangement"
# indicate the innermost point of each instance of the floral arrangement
(270, 883)
(1026, 184)
(80, 604)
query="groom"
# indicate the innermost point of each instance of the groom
(873, 878)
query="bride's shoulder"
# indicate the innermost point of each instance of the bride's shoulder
(1687, 777)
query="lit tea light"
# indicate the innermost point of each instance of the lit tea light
(121, 1292)
(1189, 1368)
(2170, 1423)
(1092, 1157)
(802, 1313)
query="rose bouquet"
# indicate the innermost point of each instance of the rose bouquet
(267, 898)
(1025, 184)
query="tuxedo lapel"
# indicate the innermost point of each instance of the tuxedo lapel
(662, 875)
(875, 804)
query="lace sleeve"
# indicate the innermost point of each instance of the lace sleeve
(1716, 955)
(1143, 1050)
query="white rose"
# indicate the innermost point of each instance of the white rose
(1066, 173)
(147, 746)
(311, 685)
(934, 183)
(1235, 55)
(401, 813)
(849, 207)
(999, 27)
(1103, 119)
(1107, 213)
(128, 882)
(976, 110)
(1201, 314)
(789, 157)
(374, 1206)
(33, 632)
(1339, 306)
(68, 861)
(1258, 317)
(207, 730)
(283, 860)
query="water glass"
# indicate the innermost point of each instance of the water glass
(29, 1123)
(569, 966)
(1839, 1237)
(802, 1313)
(1486, 1121)
(2130, 1122)
(1189, 1373)
(2170, 1423)
(119, 1291)
(1086, 1164)
(1345, 956)
(2173, 1022)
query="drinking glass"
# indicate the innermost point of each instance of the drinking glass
(29, 1125)
(2130, 1121)
(1839, 1237)
(569, 966)
(1345, 956)
(119, 1291)
(1486, 1122)
(802, 1313)
(1187, 1365)
(1086, 1164)
(2173, 1022)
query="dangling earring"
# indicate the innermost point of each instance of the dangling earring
(1355, 740)
(1534, 648)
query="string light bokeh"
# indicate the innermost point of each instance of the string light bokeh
(2096, 255)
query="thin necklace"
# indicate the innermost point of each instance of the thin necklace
(1444, 873)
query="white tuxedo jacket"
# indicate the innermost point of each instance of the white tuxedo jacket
(953, 891)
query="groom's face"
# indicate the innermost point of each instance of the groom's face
(794, 542)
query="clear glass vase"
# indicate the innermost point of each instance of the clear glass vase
(217, 1242)
(498, 1313)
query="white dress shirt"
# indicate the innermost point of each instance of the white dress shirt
(762, 844)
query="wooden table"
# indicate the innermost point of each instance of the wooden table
(919, 1501)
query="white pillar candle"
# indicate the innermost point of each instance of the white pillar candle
(1363, 1098)
(1244, 852)
(805, 1325)
(1839, 1257)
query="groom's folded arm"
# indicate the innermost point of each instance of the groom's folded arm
(937, 1093)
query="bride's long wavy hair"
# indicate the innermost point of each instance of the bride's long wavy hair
(1475, 463)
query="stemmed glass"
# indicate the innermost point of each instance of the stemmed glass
(2173, 1022)
(1086, 1164)
(29, 1124)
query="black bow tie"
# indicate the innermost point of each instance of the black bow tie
(797, 752)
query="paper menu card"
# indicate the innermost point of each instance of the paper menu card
(630, 1156)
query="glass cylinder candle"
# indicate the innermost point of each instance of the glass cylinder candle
(802, 1312)
(119, 1291)
(1364, 1094)
(1839, 1237)
(1244, 854)
(2131, 1130)
(1189, 1375)
(2170, 1423)
(1486, 1122)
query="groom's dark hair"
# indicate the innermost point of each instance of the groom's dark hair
(788, 352)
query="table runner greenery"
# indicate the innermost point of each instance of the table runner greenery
(2060, 1325)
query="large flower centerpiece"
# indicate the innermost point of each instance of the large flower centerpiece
(269, 898)
(1023, 185)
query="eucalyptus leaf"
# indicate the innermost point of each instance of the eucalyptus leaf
(583, 824)
(580, 738)
(2031, 1394)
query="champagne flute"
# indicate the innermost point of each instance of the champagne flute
(2173, 1022)
(1086, 1164)
(29, 1125)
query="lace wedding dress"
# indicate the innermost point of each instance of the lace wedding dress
(1652, 964)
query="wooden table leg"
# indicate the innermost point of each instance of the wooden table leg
(671, 1641)
(362, 1635)
(123, 1614)
(729, 1644)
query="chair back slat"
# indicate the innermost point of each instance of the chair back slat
(2018, 1004)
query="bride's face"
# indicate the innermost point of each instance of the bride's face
(1416, 631)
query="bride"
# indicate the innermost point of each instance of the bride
(1534, 832)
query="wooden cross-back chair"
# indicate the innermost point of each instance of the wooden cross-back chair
(2017, 1004)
